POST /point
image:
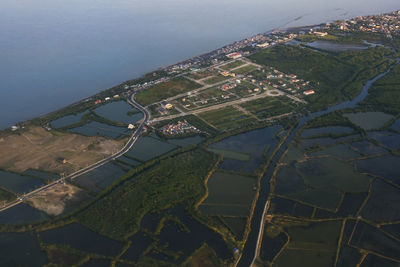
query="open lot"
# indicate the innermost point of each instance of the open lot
(37, 148)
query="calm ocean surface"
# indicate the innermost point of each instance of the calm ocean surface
(55, 52)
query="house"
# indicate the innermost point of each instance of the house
(234, 55)
(308, 92)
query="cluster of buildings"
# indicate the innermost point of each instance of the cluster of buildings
(388, 24)
(287, 82)
(179, 128)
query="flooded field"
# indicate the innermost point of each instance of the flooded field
(329, 130)
(119, 111)
(100, 178)
(229, 194)
(194, 140)
(15, 247)
(147, 148)
(81, 238)
(249, 147)
(17, 183)
(369, 120)
(21, 214)
(45, 176)
(95, 128)
(68, 120)
(335, 47)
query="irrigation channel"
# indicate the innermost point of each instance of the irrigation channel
(252, 246)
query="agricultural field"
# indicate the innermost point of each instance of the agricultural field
(227, 118)
(233, 65)
(245, 69)
(164, 90)
(199, 75)
(267, 107)
(216, 79)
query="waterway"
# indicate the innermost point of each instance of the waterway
(56, 52)
(254, 237)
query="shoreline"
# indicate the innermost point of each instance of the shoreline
(213, 54)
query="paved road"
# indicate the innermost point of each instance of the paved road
(125, 149)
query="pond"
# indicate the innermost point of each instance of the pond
(385, 166)
(21, 249)
(68, 120)
(17, 183)
(100, 178)
(251, 144)
(45, 176)
(229, 192)
(81, 238)
(367, 148)
(369, 120)
(178, 239)
(140, 242)
(335, 47)
(193, 140)
(119, 111)
(147, 148)
(396, 125)
(389, 140)
(95, 128)
(21, 214)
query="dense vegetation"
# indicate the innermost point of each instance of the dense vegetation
(6, 196)
(384, 95)
(173, 180)
(165, 90)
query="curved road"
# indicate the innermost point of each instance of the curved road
(125, 149)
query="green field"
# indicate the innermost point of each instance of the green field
(233, 65)
(245, 69)
(216, 79)
(268, 106)
(174, 180)
(164, 90)
(200, 74)
(227, 118)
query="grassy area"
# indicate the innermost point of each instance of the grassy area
(233, 65)
(6, 196)
(245, 69)
(165, 90)
(227, 118)
(337, 76)
(269, 106)
(216, 79)
(200, 74)
(203, 257)
(174, 180)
